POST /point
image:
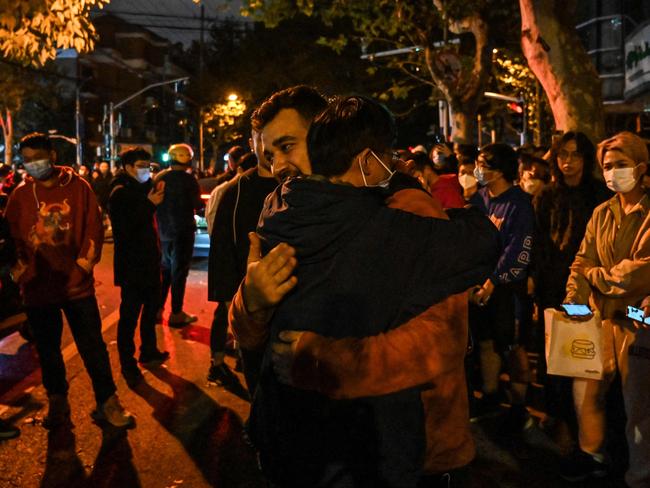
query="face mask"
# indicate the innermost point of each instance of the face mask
(531, 186)
(40, 169)
(383, 183)
(620, 180)
(480, 176)
(142, 174)
(467, 181)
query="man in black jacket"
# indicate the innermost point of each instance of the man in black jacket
(236, 216)
(132, 205)
(175, 216)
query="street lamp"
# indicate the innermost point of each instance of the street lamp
(114, 106)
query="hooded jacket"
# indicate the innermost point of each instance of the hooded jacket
(364, 269)
(136, 260)
(52, 228)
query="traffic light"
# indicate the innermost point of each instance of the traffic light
(517, 112)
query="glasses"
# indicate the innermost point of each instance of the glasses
(566, 155)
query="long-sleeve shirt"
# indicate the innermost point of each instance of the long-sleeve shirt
(615, 257)
(512, 213)
(53, 227)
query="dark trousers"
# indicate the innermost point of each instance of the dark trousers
(136, 299)
(86, 326)
(219, 329)
(175, 264)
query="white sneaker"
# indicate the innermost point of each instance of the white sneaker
(111, 411)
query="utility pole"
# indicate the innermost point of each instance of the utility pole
(201, 49)
(112, 107)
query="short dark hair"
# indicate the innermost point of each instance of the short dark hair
(235, 153)
(248, 161)
(501, 157)
(467, 151)
(586, 149)
(344, 129)
(131, 156)
(35, 140)
(420, 161)
(305, 100)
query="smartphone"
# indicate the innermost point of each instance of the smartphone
(574, 310)
(638, 315)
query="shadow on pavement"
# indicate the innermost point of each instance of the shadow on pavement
(114, 464)
(211, 434)
(63, 468)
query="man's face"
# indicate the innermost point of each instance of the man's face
(29, 155)
(264, 167)
(285, 144)
(103, 168)
(83, 170)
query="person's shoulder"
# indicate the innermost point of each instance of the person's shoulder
(161, 175)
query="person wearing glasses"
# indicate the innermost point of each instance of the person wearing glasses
(132, 206)
(562, 211)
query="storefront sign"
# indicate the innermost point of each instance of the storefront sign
(637, 62)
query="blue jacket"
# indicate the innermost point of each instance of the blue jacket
(512, 213)
(363, 269)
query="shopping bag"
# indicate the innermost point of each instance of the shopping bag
(573, 348)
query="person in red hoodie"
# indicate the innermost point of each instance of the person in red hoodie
(56, 225)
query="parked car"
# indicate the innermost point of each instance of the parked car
(201, 236)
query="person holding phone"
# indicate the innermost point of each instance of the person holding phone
(611, 271)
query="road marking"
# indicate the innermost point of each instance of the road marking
(25, 386)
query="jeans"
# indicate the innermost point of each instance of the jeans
(175, 264)
(135, 299)
(86, 326)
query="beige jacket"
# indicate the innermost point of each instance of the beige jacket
(612, 267)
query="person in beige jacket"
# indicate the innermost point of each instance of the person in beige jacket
(610, 272)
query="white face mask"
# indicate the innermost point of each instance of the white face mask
(531, 186)
(383, 183)
(142, 174)
(620, 180)
(467, 181)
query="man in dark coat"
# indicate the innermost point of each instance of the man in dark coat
(236, 216)
(132, 206)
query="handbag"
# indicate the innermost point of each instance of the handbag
(573, 348)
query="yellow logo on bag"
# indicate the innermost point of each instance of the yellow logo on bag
(583, 349)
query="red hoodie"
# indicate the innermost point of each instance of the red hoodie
(53, 227)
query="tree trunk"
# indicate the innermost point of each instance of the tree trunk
(461, 77)
(557, 57)
(8, 136)
(463, 123)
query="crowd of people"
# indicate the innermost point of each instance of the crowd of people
(364, 285)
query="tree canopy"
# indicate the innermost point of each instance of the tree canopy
(31, 31)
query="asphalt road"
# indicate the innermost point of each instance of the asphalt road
(188, 434)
